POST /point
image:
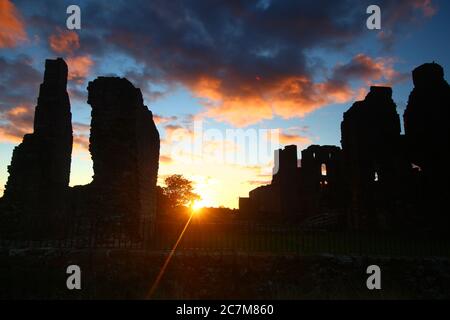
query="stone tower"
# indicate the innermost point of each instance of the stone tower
(284, 180)
(40, 167)
(428, 140)
(375, 164)
(124, 146)
(426, 117)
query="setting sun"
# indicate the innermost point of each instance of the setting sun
(197, 206)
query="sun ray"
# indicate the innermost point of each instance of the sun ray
(167, 261)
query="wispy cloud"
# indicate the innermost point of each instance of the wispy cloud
(15, 123)
(81, 133)
(12, 26)
(79, 68)
(64, 41)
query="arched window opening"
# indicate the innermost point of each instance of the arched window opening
(323, 169)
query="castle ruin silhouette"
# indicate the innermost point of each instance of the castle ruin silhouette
(124, 146)
(380, 179)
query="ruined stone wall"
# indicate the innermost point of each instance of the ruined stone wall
(40, 167)
(286, 181)
(428, 141)
(426, 116)
(266, 202)
(298, 193)
(124, 146)
(321, 180)
(285, 163)
(376, 166)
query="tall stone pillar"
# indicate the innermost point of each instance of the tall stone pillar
(124, 146)
(428, 138)
(375, 163)
(39, 173)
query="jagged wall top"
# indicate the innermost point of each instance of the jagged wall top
(428, 74)
(55, 75)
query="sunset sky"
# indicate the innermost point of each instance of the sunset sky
(295, 66)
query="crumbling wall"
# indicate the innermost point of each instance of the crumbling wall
(124, 146)
(375, 164)
(285, 182)
(39, 172)
(428, 140)
(321, 180)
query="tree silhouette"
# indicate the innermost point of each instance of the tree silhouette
(179, 191)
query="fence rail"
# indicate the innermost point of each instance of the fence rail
(252, 238)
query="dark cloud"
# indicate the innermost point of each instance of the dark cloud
(398, 16)
(19, 82)
(372, 71)
(232, 54)
(146, 80)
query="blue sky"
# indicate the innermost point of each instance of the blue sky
(295, 66)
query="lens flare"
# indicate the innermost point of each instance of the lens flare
(167, 261)
(197, 206)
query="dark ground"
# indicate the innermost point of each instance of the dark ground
(127, 274)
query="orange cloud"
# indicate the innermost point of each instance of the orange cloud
(298, 96)
(64, 41)
(165, 159)
(79, 67)
(250, 101)
(290, 96)
(81, 136)
(161, 119)
(177, 132)
(80, 142)
(16, 122)
(240, 110)
(287, 138)
(367, 69)
(12, 28)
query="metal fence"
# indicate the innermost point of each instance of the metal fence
(285, 239)
(70, 232)
(238, 237)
